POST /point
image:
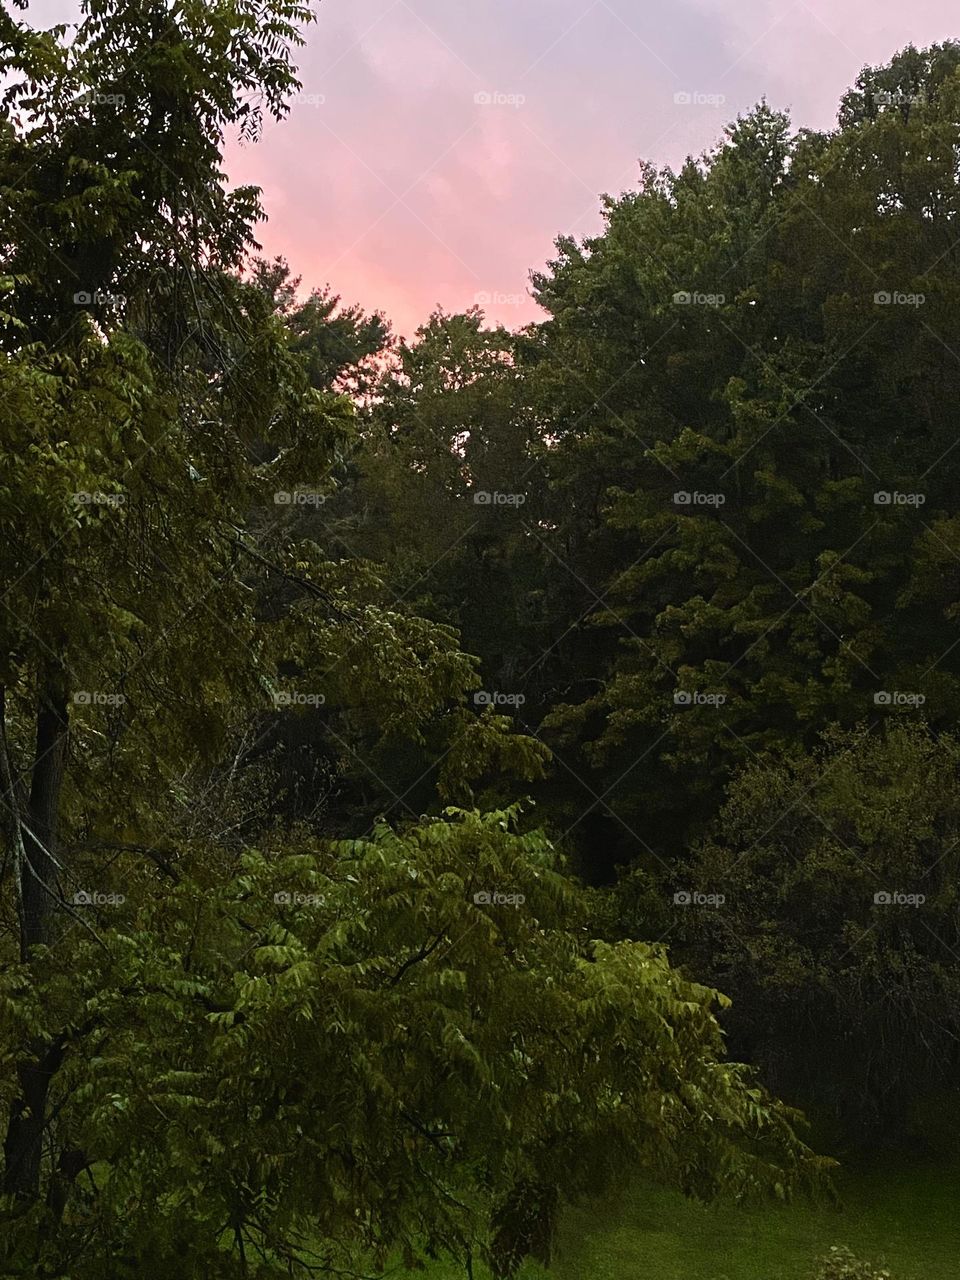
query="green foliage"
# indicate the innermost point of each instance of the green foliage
(338, 345)
(376, 1060)
(450, 426)
(840, 1264)
(839, 877)
(789, 392)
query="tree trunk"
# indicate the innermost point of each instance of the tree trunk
(40, 834)
(23, 1144)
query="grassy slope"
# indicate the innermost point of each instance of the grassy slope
(905, 1215)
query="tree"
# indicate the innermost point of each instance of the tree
(445, 492)
(117, 252)
(749, 377)
(838, 926)
(405, 1044)
(340, 346)
(135, 413)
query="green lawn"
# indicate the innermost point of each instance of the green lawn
(907, 1215)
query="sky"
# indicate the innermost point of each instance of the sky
(439, 147)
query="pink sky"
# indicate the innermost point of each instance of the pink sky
(389, 181)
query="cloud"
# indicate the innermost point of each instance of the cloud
(402, 190)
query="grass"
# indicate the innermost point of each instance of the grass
(903, 1214)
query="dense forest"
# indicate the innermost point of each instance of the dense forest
(443, 778)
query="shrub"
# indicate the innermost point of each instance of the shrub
(840, 1264)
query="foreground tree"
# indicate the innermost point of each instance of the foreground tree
(136, 372)
(398, 1044)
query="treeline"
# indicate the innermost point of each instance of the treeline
(700, 525)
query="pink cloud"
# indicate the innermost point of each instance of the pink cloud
(402, 191)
